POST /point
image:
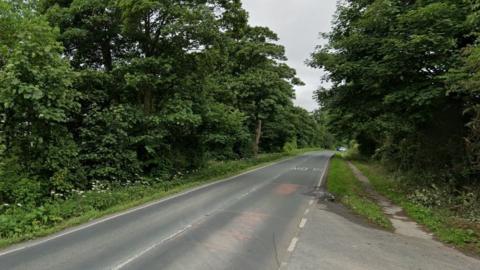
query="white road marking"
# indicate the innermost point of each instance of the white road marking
(102, 220)
(88, 225)
(292, 245)
(254, 189)
(302, 223)
(320, 181)
(303, 169)
(307, 211)
(310, 202)
(146, 250)
(142, 252)
(243, 195)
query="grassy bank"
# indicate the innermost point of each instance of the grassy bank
(350, 191)
(18, 223)
(440, 221)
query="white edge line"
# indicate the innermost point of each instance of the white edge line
(325, 168)
(292, 245)
(101, 220)
(302, 223)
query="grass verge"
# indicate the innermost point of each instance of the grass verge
(19, 224)
(343, 183)
(441, 222)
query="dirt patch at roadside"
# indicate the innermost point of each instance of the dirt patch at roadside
(401, 223)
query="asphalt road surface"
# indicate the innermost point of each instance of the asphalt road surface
(246, 222)
(334, 239)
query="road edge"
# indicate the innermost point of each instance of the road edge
(323, 178)
(109, 216)
(301, 226)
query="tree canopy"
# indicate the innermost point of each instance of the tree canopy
(137, 91)
(404, 77)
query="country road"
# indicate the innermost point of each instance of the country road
(246, 222)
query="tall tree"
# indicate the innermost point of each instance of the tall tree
(260, 84)
(90, 31)
(36, 98)
(387, 61)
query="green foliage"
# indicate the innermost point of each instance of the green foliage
(108, 145)
(290, 146)
(448, 217)
(403, 76)
(464, 81)
(90, 30)
(36, 97)
(226, 132)
(343, 183)
(97, 97)
(19, 189)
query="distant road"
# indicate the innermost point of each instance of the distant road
(246, 222)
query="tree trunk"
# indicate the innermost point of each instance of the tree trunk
(107, 56)
(258, 134)
(148, 101)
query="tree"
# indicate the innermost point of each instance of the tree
(124, 91)
(259, 84)
(90, 31)
(464, 82)
(36, 97)
(387, 61)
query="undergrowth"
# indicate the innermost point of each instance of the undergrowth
(343, 183)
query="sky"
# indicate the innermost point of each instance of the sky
(298, 24)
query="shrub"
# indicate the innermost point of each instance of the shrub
(290, 146)
(16, 187)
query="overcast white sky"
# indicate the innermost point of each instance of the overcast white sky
(298, 24)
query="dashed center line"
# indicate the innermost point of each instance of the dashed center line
(292, 245)
(302, 223)
(310, 202)
(134, 257)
